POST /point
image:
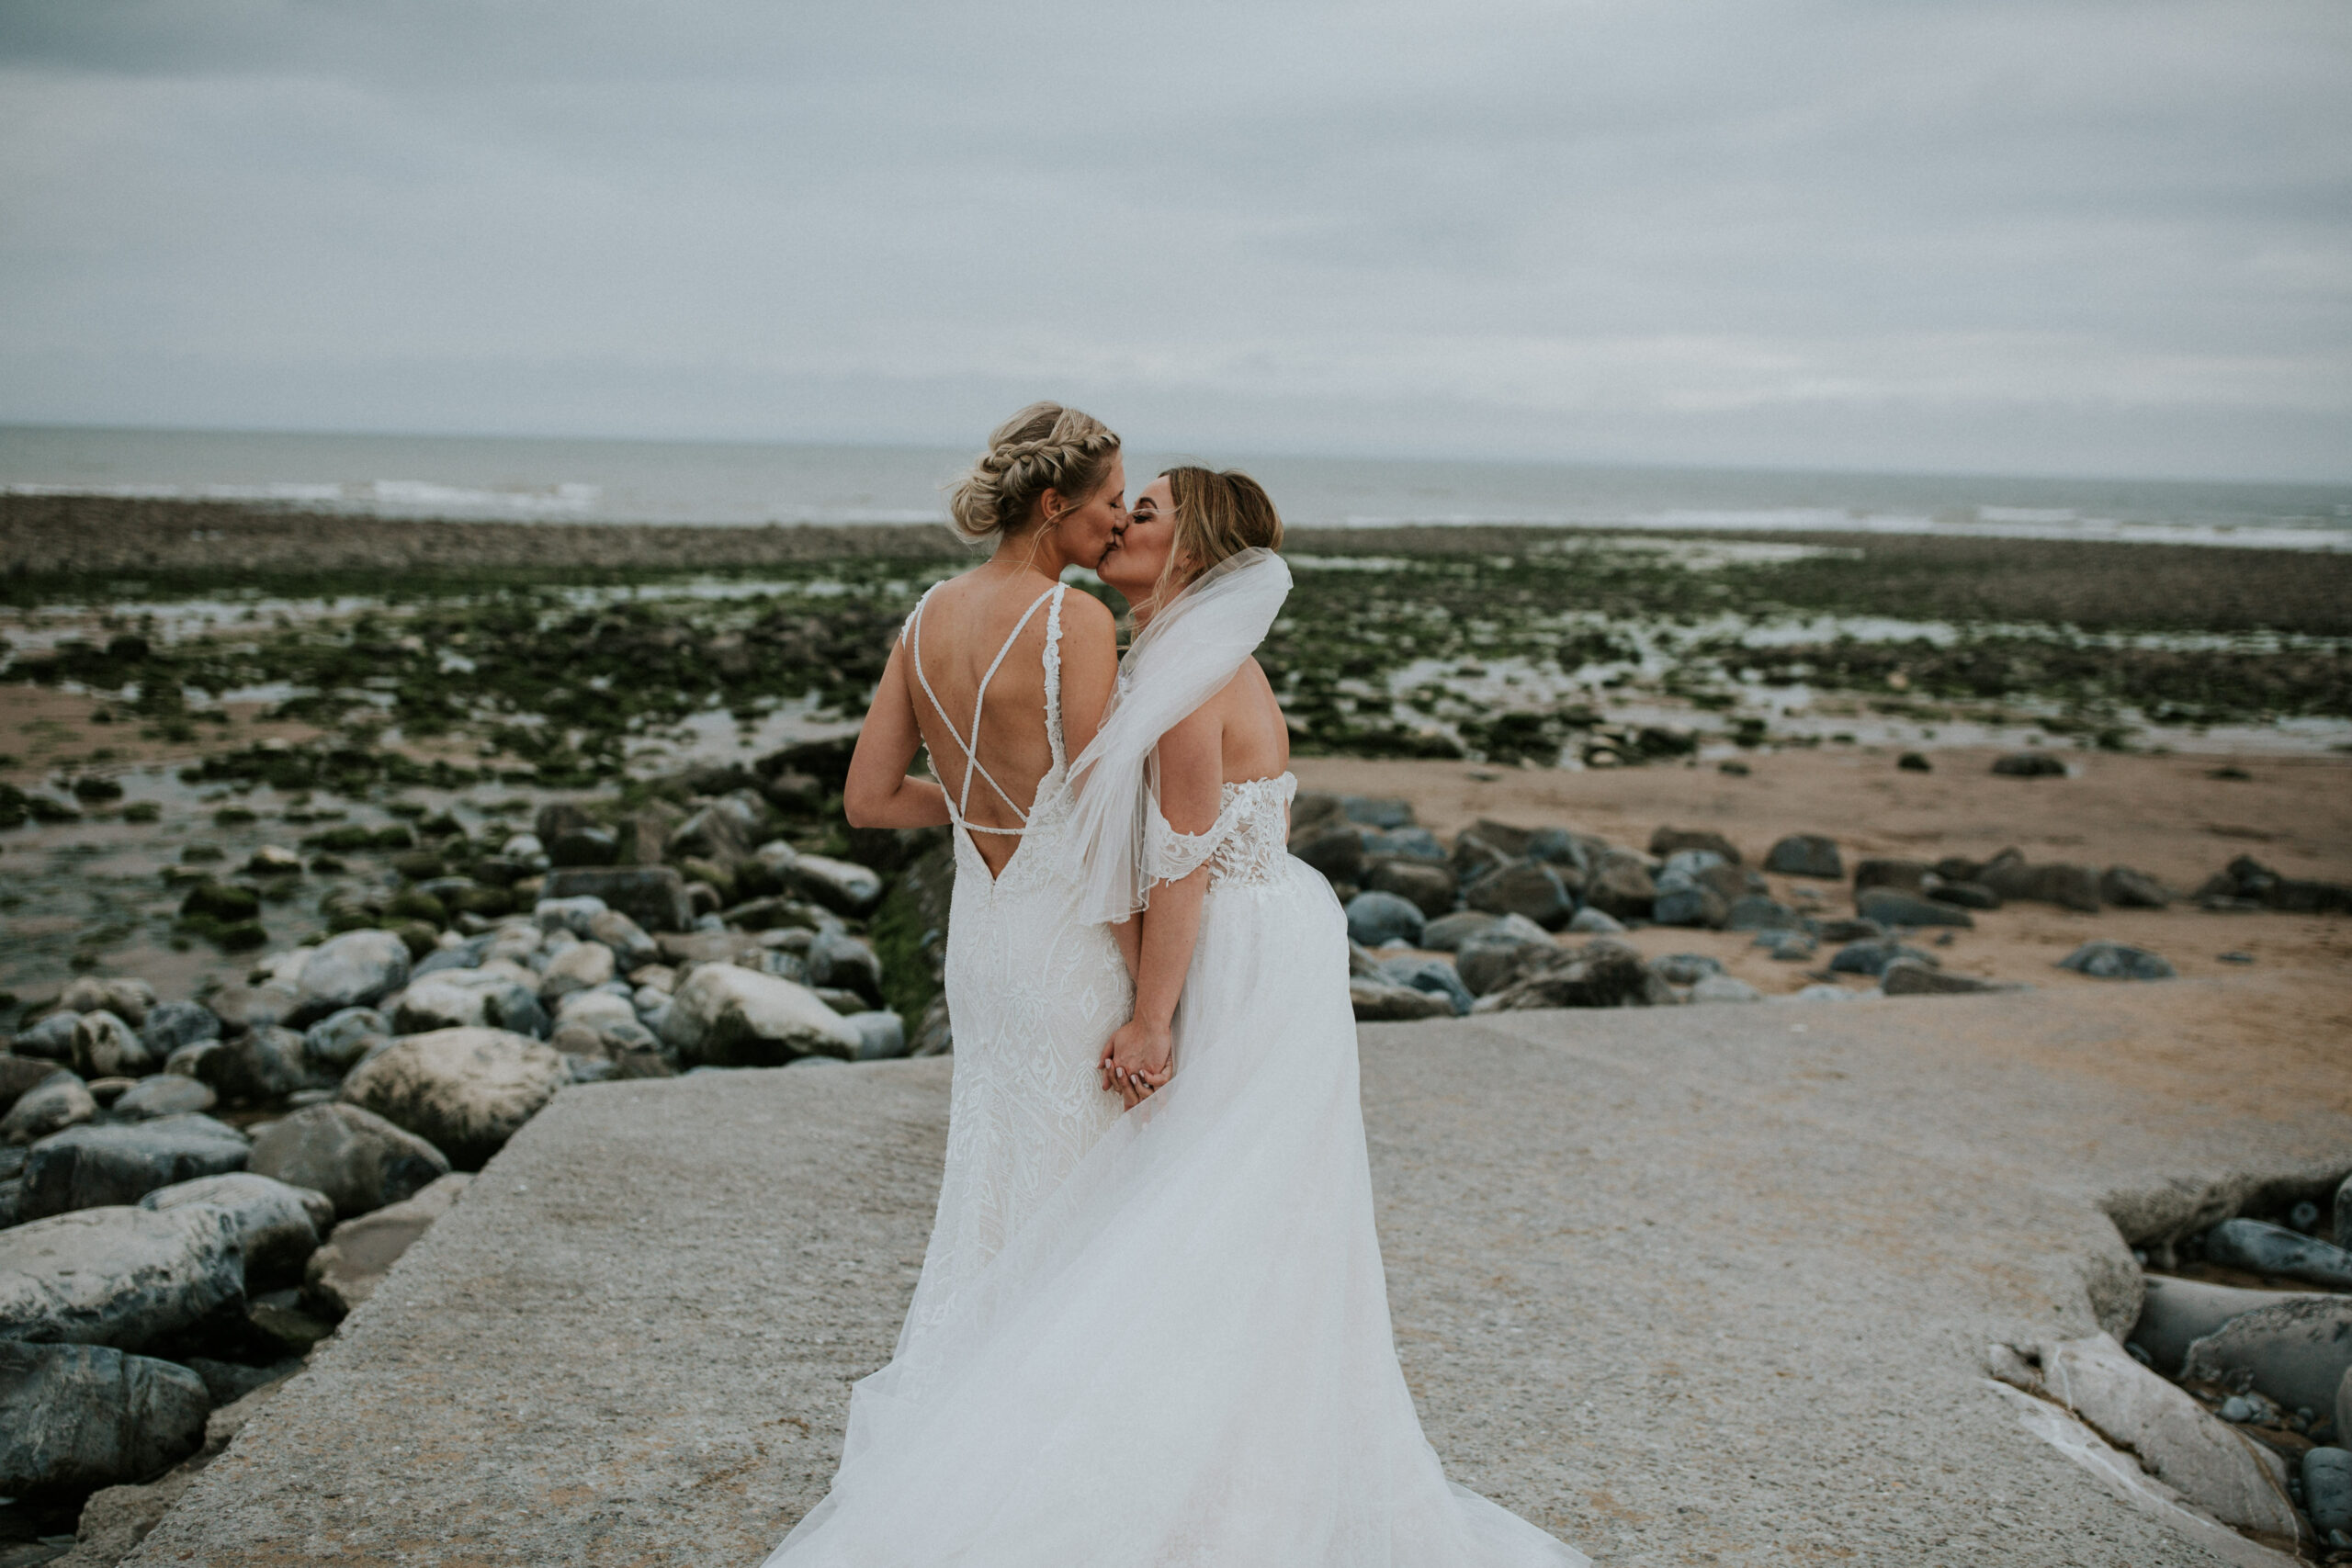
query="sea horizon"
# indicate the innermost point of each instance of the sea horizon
(718, 482)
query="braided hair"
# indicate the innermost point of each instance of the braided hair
(1045, 447)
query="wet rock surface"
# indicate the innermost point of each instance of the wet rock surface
(357, 1159)
(116, 1275)
(85, 1168)
(465, 1091)
(85, 1416)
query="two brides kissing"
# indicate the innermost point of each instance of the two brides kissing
(1151, 1326)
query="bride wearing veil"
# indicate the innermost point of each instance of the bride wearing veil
(1184, 1355)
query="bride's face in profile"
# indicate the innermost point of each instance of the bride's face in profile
(1085, 531)
(1139, 555)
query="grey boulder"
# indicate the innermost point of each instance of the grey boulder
(1889, 907)
(126, 998)
(1430, 889)
(1755, 912)
(360, 1252)
(89, 1168)
(260, 1065)
(2175, 1313)
(841, 885)
(2116, 961)
(2128, 889)
(465, 1091)
(574, 914)
(2262, 1248)
(1447, 934)
(278, 1226)
(2296, 1352)
(1385, 1001)
(106, 1047)
(582, 967)
(652, 896)
(493, 997)
(838, 961)
(1434, 975)
(1496, 955)
(338, 1040)
(1601, 974)
(632, 948)
(724, 1016)
(1725, 988)
(1874, 958)
(2327, 1490)
(360, 1161)
(881, 1035)
(50, 1038)
(82, 1417)
(166, 1094)
(118, 1275)
(58, 1101)
(351, 970)
(1376, 918)
(1909, 978)
(171, 1025)
(1806, 854)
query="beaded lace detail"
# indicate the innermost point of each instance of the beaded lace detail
(1245, 847)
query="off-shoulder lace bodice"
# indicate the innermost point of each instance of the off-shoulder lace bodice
(1244, 847)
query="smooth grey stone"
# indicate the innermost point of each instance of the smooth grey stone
(583, 966)
(341, 1038)
(586, 1068)
(278, 1226)
(347, 1268)
(83, 1416)
(2029, 765)
(126, 997)
(2327, 1490)
(1668, 842)
(1434, 975)
(632, 947)
(360, 1160)
(1431, 888)
(1404, 843)
(1529, 889)
(1889, 907)
(171, 1025)
(1494, 958)
(571, 914)
(18, 1074)
(1336, 851)
(265, 1065)
(2175, 1313)
(253, 1007)
(843, 886)
(166, 1094)
(1375, 918)
(351, 970)
(51, 1037)
(1377, 1000)
(106, 1047)
(1903, 875)
(1684, 968)
(2297, 1352)
(470, 953)
(1621, 885)
(838, 961)
(652, 896)
(117, 1275)
(465, 1091)
(1965, 895)
(1806, 854)
(1873, 957)
(2116, 961)
(58, 1101)
(1725, 988)
(1755, 912)
(726, 1015)
(882, 1034)
(1384, 812)
(1448, 932)
(2260, 1247)
(1853, 931)
(89, 1167)
(1591, 922)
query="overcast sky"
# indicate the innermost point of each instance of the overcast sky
(1910, 235)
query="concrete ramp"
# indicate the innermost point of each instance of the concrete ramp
(1691, 1285)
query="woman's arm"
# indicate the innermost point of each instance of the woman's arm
(878, 792)
(1192, 773)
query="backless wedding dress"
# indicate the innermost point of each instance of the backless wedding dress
(1183, 1356)
(1033, 992)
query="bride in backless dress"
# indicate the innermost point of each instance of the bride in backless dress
(1182, 1354)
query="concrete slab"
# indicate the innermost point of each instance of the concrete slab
(1687, 1286)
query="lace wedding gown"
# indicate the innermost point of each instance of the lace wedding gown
(1183, 1356)
(1034, 992)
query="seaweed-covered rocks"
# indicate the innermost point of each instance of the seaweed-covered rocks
(58, 1101)
(360, 1160)
(1601, 974)
(118, 1275)
(1376, 918)
(724, 1016)
(1806, 854)
(278, 1226)
(2246, 883)
(2116, 961)
(86, 1167)
(2128, 889)
(82, 1417)
(2263, 1249)
(464, 1090)
(355, 969)
(360, 1252)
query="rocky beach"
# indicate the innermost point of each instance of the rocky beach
(334, 852)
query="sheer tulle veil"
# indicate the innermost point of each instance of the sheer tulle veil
(1176, 663)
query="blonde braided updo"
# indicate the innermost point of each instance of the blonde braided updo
(1045, 447)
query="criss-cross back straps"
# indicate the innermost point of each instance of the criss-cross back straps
(979, 697)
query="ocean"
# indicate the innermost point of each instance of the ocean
(528, 480)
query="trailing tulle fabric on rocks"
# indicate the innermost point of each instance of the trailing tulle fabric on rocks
(1179, 661)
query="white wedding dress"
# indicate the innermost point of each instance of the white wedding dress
(1184, 1355)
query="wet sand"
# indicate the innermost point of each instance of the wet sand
(2290, 1008)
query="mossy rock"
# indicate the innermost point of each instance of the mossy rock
(409, 903)
(220, 901)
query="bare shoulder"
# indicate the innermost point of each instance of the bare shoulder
(1082, 611)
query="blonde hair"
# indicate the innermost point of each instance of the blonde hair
(1218, 514)
(1045, 447)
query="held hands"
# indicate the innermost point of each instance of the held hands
(1136, 1061)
